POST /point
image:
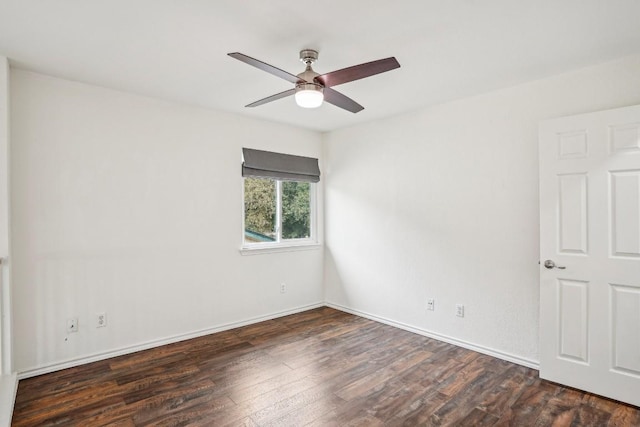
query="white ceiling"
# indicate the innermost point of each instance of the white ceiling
(450, 49)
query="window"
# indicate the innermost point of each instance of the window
(278, 211)
(279, 199)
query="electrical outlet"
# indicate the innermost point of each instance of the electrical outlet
(459, 310)
(72, 325)
(431, 304)
(101, 320)
(283, 288)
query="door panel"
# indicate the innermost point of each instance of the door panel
(625, 213)
(626, 335)
(572, 145)
(574, 319)
(590, 229)
(572, 201)
(625, 138)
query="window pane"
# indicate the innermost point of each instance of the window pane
(259, 210)
(296, 212)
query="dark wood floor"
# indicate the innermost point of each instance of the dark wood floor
(321, 367)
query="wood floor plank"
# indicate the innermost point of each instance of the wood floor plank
(274, 387)
(186, 406)
(329, 349)
(322, 367)
(464, 401)
(528, 407)
(499, 399)
(64, 380)
(308, 402)
(286, 392)
(398, 366)
(419, 411)
(66, 414)
(405, 403)
(624, 415)
(477, 418)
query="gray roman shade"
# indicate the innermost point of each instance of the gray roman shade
(286, 167)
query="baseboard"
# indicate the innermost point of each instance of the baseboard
(156, 343)
(8, 389)
(529, 363)
(177, 338)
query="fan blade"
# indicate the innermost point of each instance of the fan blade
(272, 98)
(265, 67)
(339, 100)
(357, 72)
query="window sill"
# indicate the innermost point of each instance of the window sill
(258, 250)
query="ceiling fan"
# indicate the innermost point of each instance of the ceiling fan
(312, 88)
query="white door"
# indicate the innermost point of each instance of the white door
(590, 230)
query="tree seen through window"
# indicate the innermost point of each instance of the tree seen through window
(263, 221)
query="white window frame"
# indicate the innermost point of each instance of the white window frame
(283, 245)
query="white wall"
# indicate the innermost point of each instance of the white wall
(5, 320)
(132, 206)
(443, 203)
(8, 382)
(4, 159)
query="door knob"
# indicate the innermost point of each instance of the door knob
(550, 264)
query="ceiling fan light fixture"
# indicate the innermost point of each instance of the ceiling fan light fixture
(310, 87)
(309, 95)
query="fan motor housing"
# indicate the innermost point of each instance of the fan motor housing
(307, 75)
(309, 86)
